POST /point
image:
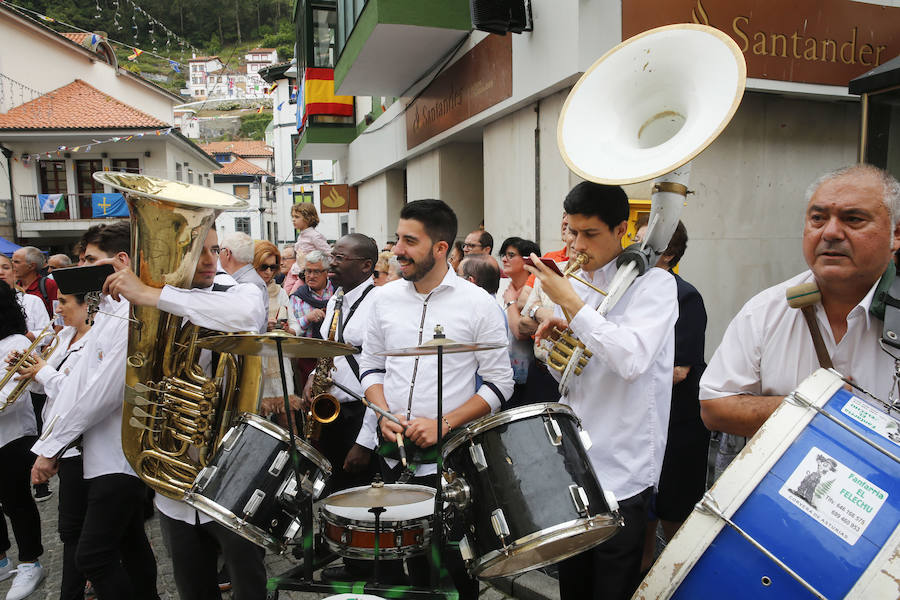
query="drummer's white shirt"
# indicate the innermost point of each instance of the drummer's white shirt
(767, 349)
(468, 314)
(624, 393)
(236, 309)
(36, 317)
(17, 420)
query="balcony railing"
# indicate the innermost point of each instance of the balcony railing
(78, 206)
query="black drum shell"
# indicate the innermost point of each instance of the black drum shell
(527, 476)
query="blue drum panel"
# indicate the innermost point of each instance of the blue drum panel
(731, 567)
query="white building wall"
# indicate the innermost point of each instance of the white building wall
(225, 222)
(378, 215)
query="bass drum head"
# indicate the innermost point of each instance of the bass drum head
(547, 547)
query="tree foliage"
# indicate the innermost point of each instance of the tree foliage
(253, 126)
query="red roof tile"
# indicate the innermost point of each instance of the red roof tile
(239, 166)
(77, 106)
(252, 149)
(78, 38)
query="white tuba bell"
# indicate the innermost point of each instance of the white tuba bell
(643, 111)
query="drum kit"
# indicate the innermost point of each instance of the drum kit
(518, 483)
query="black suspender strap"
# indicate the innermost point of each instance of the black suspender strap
(351, 360)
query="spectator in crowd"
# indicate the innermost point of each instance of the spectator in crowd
(521, 351)
(288, 258)
(393, 269)
(479, 242)
(28, 263)
(58, 261)
(482, 270)
(456, 255)
(389, 246)
(382, 267)
(308, 304)
(236, 258)
(305, 220)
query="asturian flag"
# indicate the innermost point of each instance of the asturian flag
(52, 203)
(108, 205)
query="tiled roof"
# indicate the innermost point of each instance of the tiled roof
(202, 58)
(239, 166)
(252, 149)
(261, 50)
(77, 106)
(78, 38)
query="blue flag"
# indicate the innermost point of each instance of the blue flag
(108, 205)
(174, 66)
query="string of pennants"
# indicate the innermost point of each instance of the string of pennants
(135, 51)
(58, 153)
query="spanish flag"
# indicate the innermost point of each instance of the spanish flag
(319, 97)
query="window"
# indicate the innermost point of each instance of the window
(242, 224)
(53, 181)
(87, 185)
(242, 191)
(190, 175)
(303, 170)
(178, 173)
(129, 165)
(223, 157)
(300, 197)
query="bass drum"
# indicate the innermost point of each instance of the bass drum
(250, 487)
(523, 486)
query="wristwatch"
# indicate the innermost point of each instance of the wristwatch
(508, 304)
(533, 310)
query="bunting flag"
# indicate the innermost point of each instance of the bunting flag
(319, 97)
(108, 205)
(174, 66)
(280, 105)
(52, 203)
(95, 39)
(137, 52)
(259, 110)
(272, 89)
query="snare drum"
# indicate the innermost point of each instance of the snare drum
(250, 487)
(809, 509)
(349, 531)
(525, 490)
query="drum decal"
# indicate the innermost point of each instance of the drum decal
(834, 495)
(872, 418)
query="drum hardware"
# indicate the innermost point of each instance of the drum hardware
(708, 505)
(554, 433)
(579, 499)
(477, 454)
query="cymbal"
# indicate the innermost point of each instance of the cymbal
(379, 496)
(265, 344)
(431, 347)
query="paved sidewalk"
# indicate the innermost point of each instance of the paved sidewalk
(530, 586)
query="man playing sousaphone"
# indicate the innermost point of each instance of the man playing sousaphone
(404, 314)
(622, 395)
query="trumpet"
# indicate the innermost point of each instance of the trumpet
(47, 338)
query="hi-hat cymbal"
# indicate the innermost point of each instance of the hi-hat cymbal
(431, 347)
(377, 495)
(266, 344)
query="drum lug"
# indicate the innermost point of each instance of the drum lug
(278, 464)
(585, 439)
(292, 530)
(498, 521)
(553, 431)
(230, 439)
(204, 477)
(579, 499)
(611, 500)
(253, 503)
(478, 459)
(465, 548)
(398, 539)
(318, 487)
(288, 490)
(458, 493)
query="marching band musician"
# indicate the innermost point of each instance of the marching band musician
(36, 317)
(193, 538)
(622, 396)
(351, 269)
(17, 432)
(405, 314)
(850, 229)
(113, 551)
(49, 377)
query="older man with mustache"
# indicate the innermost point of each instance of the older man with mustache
(850, 230)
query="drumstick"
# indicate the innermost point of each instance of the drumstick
(805, 296)
(380, 411)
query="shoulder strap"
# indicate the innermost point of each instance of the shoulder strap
(351, 360)
(891, 301)
(42, 286)
(218, 287)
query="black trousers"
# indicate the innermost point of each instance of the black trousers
(113, 550)
(451, 560)
(610, 571)
(336, 440)
(73, 492)
(194, 550)
(18, 504)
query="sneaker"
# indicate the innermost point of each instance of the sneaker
(28, 576)
(42, 492)
(6, 569)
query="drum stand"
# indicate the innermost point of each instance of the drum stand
(312, 562)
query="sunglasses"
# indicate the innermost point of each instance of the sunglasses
(268, 268)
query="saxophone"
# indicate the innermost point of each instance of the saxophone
(324, 407)
(174, 415)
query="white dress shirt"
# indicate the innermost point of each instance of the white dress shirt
(50, 379)
(248, 275)
(401, 317)
(767, 349)
(624, 393)
(16, 421)
(36, 317)
(236, 309)
(89, 401)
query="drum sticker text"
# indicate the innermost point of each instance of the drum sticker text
(872, 418)
(834, 495)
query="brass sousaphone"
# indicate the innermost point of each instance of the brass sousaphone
(642, 112)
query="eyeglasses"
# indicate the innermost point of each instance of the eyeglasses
(315, 271)
(272, 268)
(468, 245)
(378, 274)
(511, 255)
(342, 258)
(215, 250)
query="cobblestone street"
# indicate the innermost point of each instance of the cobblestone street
(52, 562)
